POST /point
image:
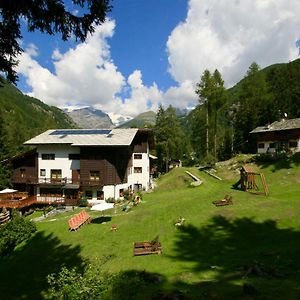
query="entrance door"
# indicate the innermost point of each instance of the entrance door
(75, 176)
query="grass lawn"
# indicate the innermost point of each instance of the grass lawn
(208, 258)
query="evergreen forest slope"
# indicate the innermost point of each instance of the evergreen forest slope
(22, 117)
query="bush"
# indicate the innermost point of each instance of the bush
(71, 284)
(13, 233)
(83, 202)
(92, 283)
(110, 200)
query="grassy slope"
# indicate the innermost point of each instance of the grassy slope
(146, 118)
(206, 258)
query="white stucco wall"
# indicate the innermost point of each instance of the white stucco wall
(61, 161)
(140, 178)
(265, 149)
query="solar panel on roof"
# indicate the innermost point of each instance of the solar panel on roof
(80, 131)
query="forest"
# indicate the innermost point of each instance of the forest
(219, 125)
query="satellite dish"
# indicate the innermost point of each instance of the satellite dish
(285, 115)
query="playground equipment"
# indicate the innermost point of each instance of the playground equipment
(248, 180)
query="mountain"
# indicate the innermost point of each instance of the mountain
(90, 117)
(141, 120)
(22, 117)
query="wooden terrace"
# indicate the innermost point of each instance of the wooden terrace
(20, 200)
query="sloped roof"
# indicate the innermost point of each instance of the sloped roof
(86, 137)
(285, 124)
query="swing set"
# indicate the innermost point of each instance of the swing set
(248, 181)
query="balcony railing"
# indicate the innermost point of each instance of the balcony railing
(55, 181)
(44, 199)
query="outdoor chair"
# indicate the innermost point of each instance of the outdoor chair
(144, 248)
(76, 221)
(226, 201)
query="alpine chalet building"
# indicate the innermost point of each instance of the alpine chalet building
(94, 163)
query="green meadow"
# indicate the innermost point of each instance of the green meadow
(255, 241)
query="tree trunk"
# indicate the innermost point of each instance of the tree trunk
(215, 135)
(207, 128)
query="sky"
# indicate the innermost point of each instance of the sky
(153, 52)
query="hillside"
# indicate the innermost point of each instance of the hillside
(22, 117)
(215, 253)
(141, 120)
(279, 69)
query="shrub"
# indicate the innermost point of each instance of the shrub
(13, 233)
(83, 202)
(71, 284)
(92, 283)
(110, 200)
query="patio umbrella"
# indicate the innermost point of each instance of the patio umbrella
(6, 191)
(102, 206)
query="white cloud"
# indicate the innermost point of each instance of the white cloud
(230, 35)
(84, 74)
(222, 34)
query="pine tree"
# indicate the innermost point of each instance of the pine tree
(169, 137)
(211, 94)
(255, 107)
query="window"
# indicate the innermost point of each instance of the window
(137, 156)
(293, 144)
(23, 173)
(272, 145)
(138, 170)
(121, 193)
(89, 195)
(94, 175)
(100, 195)
(74, 156)
(48, 156)
(261, 145)
(55, 175)
(42, 172)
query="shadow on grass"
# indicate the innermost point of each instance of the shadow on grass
(228, 249)
(23, 275)
(280, 163)
(226, 259)
(102, 219)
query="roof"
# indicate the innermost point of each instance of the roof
(249, 169)
(86, 137)
(284, 124)
(19, 156)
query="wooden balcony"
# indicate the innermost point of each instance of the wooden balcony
(32, 200)
(55, 181)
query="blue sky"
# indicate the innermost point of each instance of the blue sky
(152, 52)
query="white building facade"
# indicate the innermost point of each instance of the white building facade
(96, 164)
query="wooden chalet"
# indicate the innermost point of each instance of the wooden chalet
(68, 164)
(281, 135)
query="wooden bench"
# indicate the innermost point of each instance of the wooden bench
(226, 201)
(78, 220)
(145, 248)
